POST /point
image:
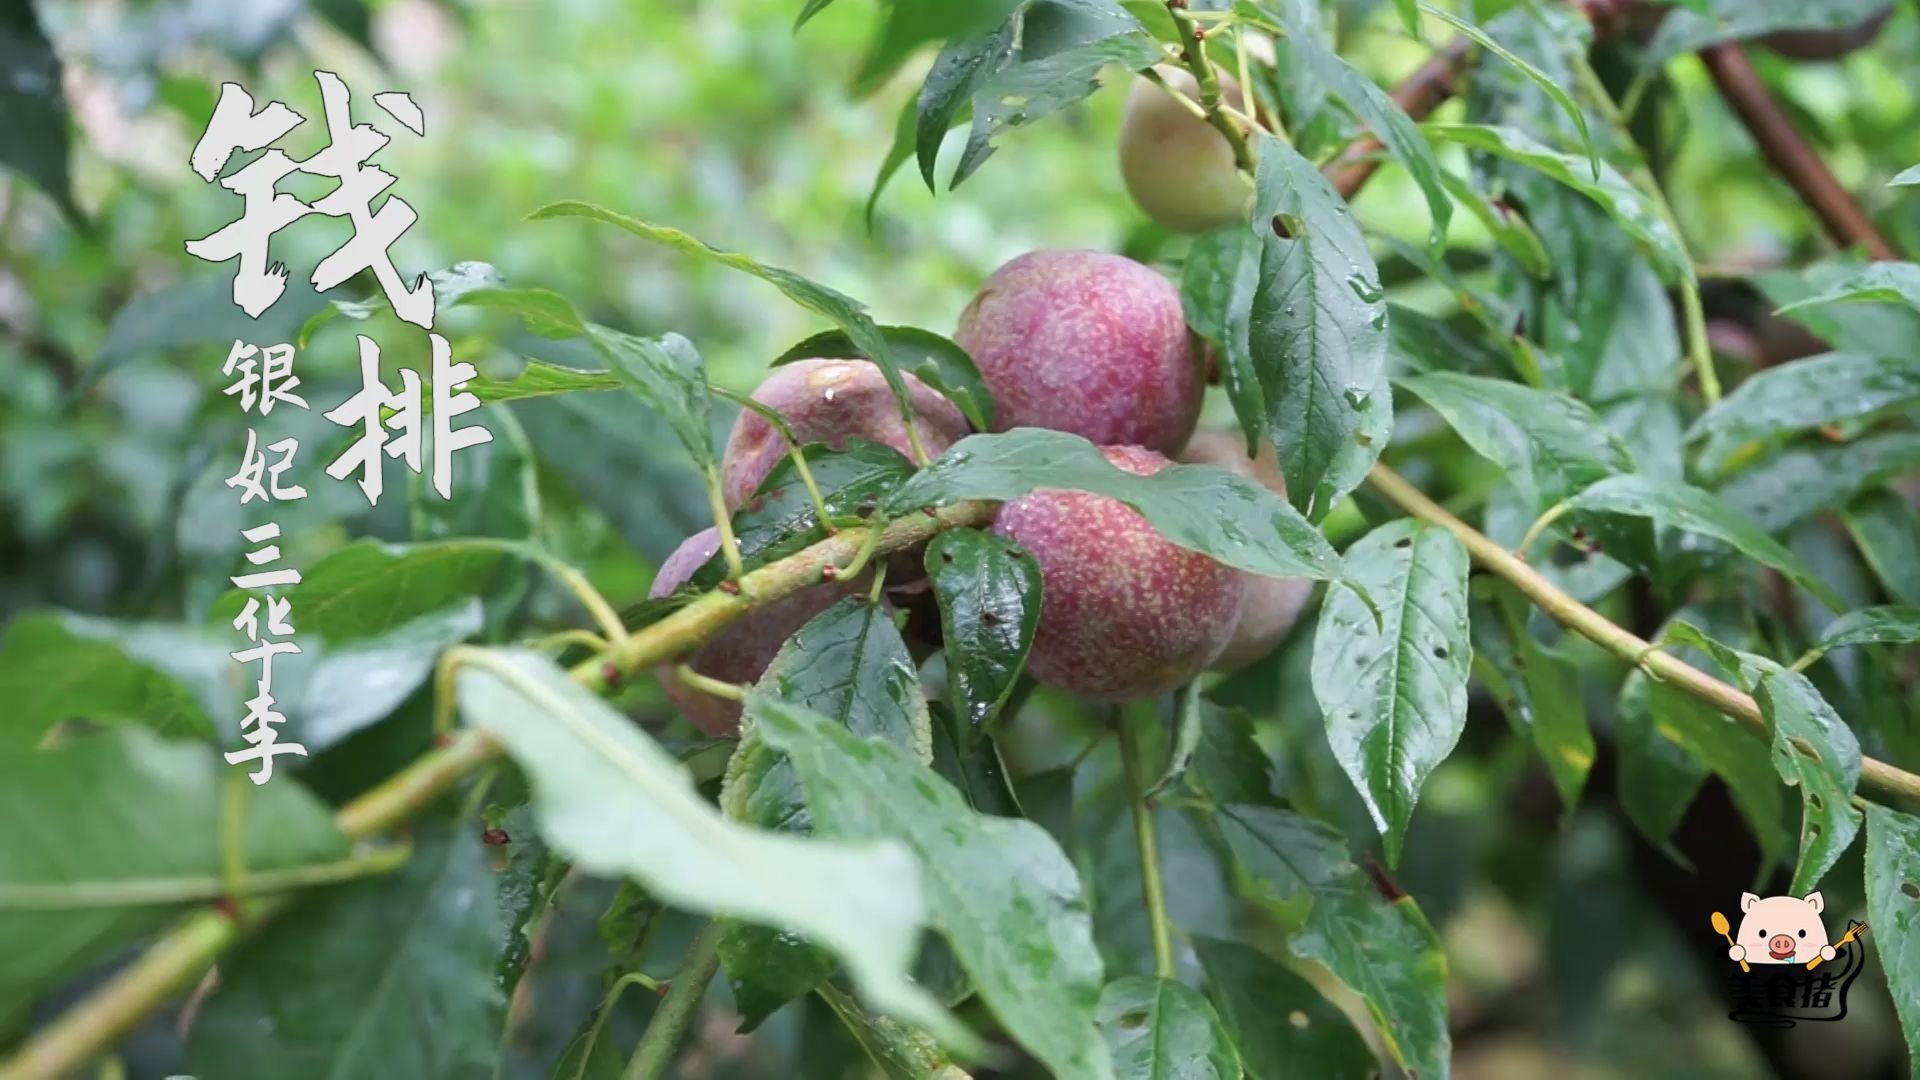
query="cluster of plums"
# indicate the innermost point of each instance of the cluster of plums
(1077, 341)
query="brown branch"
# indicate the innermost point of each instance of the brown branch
(1787, 151)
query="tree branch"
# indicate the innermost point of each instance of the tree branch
(1787, 151)
(177, 961)
(1877, 778)
(1193, 47)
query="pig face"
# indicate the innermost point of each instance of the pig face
(1782, 929)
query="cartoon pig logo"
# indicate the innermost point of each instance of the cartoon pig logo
(1781, 930)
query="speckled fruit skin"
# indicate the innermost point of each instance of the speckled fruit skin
(1124, 613)
(741, 652)
(1178, 169)
(830, 401)
(1086, 342)
(1272, 604)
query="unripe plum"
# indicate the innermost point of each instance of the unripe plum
(831, 402)
(1178, 169)
(1272, 604)
(1124, 612)
(741, 652)
(1089, 343)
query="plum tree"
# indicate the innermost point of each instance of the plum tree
(1179, 170)
(1125, 613)
(830, 401)
(740, 653)
(1272, 605)
(1086, 342)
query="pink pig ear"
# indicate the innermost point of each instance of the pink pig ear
(1748, 900)
(1817, 902)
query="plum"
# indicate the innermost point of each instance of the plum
(1178, 169)
(1086, 342)
(830, 401)
(1272, 604)
(1124, 612)
(741, 652)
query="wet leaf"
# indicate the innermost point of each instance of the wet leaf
(1893, 908)
(1815, 751)
(990, 593)
(1281, 1024)
(1394, 693)
(1550, 445)
(1158, 1029)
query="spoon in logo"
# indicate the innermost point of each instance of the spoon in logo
(1720, 927)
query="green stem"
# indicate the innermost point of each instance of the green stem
(726, 690)
(1193, 49)
(1699, 351)
(139, 891)
(676, 1011)
(177, 961)
(729, 547)
(1149, 846)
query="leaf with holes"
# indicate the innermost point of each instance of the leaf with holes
(1815, 751)
(1394, 692)
(1893, 908)
(990, 594)
(1158, 1028)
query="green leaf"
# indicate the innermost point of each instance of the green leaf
(346, 982)
(959, 72)
(1791, 397)
(1715, 21)
(56, 666)
(1892, 624)
(849, 664)
(1317, 332)
(1199, 507)
(1384, 950)
(1374, 106)
(901, 1052)
(845, 312)
(975, 767)
(1394, 692)
(1509, 229)
(1886, 528)
(1536, 686)
(1282, 1025)
(1611, 191)
(1814, 750)
(1893, 908)
(1158, 1028)
(913, 23)
(1794, 484)
(1875, 329)
(1539, 78)
(1681, 506)
(990, 595)
(199, 311)
(668, 376)
(83, 874)
(1228, 765)
(1217, 286)
(1064, 46)
(368, 588)
(1000, 891)
(541, 379)
(33, 109)
(1880, 282)
(1733, 754)
(897, 154)
(934, 359)
(609, 798)
(1550, 445)
(782, 521)
(1658, 776)
(1906, 177)
(1189, 726)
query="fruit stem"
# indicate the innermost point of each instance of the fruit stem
(1193, 48)
(787, 436)
(1149, 846)
(1878, 780)
(726, 690)
(723, 521)
(670, 1020)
